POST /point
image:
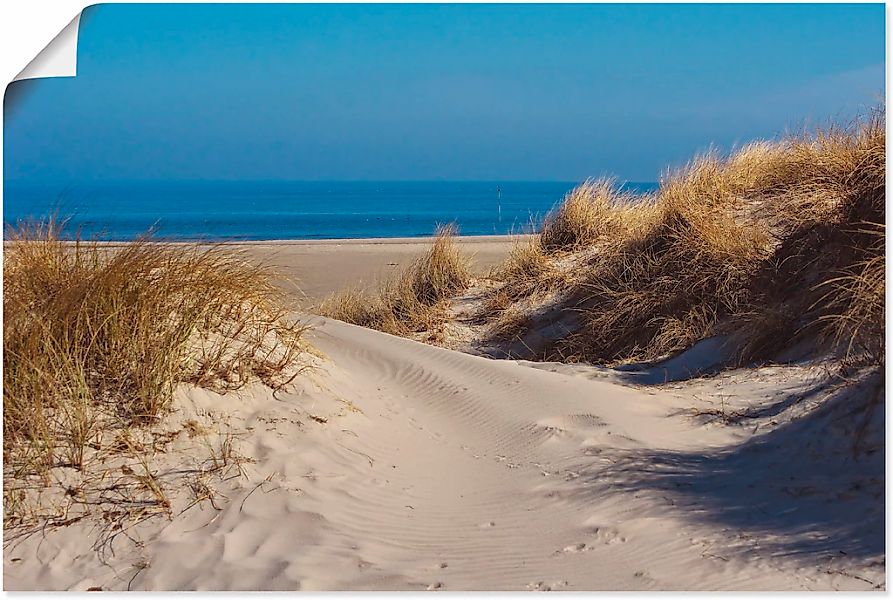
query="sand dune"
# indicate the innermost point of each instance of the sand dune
(398, 465)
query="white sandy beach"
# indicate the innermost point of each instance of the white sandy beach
(398, 465)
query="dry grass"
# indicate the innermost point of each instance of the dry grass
(777, 243)
(826, 211)
(526, 260)
(356, 305)
(441, 272)
(510, 324)
(415, 300)
(97, 337)
(661, 290)
(859, 324)
(527, 269)
(585, 214)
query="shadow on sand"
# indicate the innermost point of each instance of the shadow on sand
(812, 487)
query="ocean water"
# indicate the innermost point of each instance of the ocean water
(288, 210)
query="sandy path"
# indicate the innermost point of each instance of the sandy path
(433, 470)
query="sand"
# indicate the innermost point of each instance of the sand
(395, 465)
(316, 268)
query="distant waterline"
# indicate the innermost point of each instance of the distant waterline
(288, 210)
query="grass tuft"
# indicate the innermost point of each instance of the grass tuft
(413, 301)
(585, 214)
(96, 334)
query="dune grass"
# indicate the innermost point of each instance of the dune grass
(97, 336)
(824, 199)
(588, 212)
(415, 300)
(779, 242)
(527, 269)
(662, 284)
(858, 324)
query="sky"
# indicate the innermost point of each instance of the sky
(434, 92)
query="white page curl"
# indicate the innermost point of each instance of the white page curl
(59, 58)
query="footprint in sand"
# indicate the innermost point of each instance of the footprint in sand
(573, 549)
(542, 586)
(487, 525)
(607, 535)
(644, 576)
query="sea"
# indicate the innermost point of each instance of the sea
(287, 210)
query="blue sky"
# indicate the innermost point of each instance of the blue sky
(415, 92)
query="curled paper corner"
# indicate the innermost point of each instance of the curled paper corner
(59, 58)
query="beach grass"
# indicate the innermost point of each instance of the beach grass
(590, 211)
(415, 299)
(527, 268)
(779, 242)
(98, 336)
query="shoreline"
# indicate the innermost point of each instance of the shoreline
(371, 241)
(460, 239)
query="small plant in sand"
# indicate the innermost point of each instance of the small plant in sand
(98, 336)
(415, 300)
